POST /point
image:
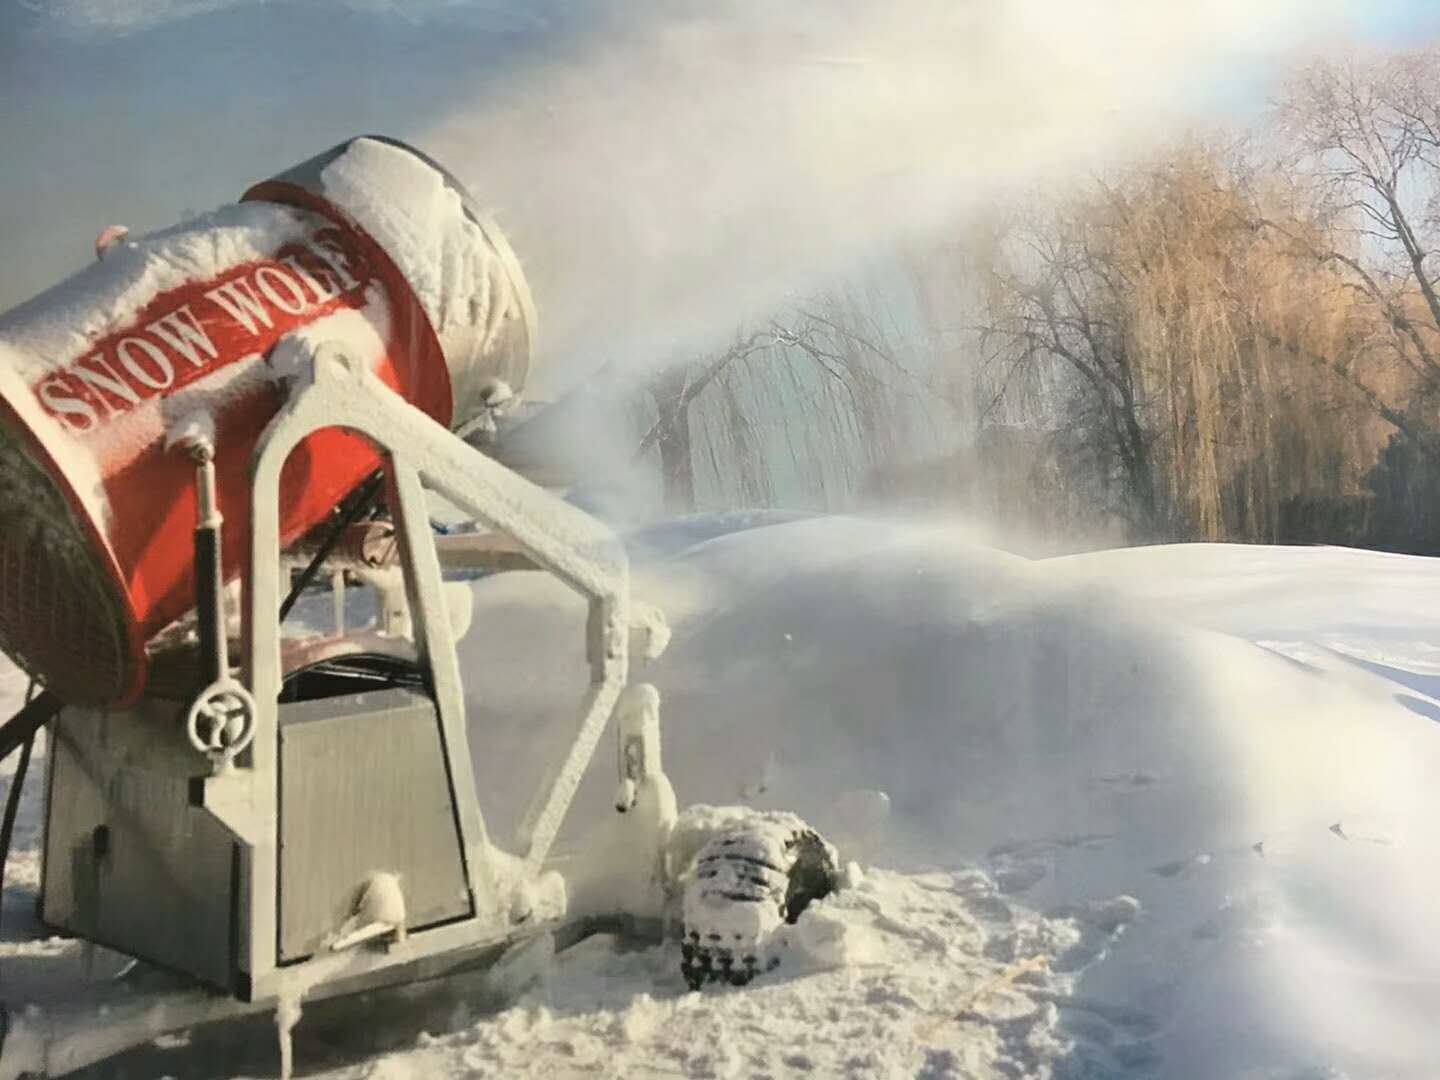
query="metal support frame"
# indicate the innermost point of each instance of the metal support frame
(528, 525)
(342, 392)
(101, 1020)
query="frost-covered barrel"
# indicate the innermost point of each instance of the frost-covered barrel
(370, 244)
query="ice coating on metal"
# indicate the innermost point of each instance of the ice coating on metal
(175, 327)
(100, 299)
(93, 375)
(457, 263)
(342, 390)
(45, 340)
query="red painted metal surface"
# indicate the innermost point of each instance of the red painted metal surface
(80, 598)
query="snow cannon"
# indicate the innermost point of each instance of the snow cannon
(191, 330)
(267, 796)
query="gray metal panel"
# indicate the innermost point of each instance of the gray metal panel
(129, 863)
(363, 789)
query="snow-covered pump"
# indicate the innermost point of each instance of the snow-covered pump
(288, 383)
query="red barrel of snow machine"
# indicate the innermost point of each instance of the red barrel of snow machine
(370, 244)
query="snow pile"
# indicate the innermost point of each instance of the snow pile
(1033, 761)
(1364, 616)
(931, 975)
(927, 704)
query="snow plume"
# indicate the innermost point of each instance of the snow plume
(673, 171)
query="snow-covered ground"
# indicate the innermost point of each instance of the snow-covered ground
(1242, 740)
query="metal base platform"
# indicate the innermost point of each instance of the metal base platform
(103, 1019)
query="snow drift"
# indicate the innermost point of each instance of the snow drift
(929, 705)
(1021, 747)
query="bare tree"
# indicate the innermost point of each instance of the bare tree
(1055, 294)
(1179, 320)
(830, 341)
(1366, 148)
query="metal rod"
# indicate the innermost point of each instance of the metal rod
(209, 582)
(364, 500)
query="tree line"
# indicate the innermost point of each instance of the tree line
(1236, 338)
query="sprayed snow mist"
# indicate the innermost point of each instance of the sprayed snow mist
(681, 167)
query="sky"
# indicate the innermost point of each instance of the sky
(609, 135)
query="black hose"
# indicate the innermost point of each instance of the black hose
(209, 600)
(21, 727)
(24, 724)
(363, 500)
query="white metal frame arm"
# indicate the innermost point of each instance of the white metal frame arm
(420, 453)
